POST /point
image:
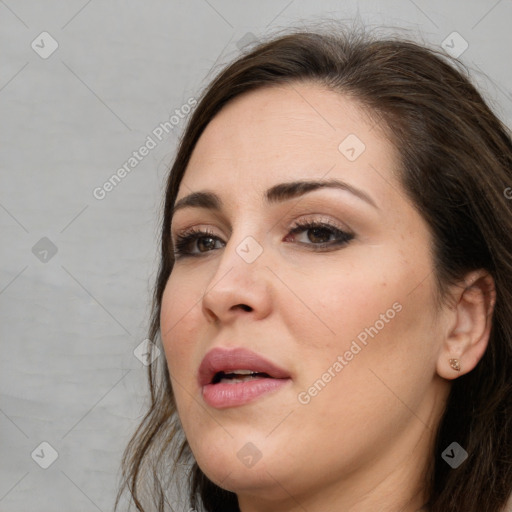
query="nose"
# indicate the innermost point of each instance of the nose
(239, 285)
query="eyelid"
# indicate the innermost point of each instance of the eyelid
(287, 224)
(317, 218)
(189, 236)
(194, 228)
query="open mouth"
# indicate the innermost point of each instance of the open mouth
(235, 376)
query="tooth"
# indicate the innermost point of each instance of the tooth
(241, 372)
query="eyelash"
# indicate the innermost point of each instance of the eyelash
(185, 239)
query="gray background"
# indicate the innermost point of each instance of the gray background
(69, 322)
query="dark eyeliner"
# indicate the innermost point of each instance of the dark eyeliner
(185, 239)
(343, 237)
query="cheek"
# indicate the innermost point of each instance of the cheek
(178, 326)
(180, 299)
(337, 303)
(375, 313)
(358, 379)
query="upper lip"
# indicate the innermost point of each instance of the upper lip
(225, 360)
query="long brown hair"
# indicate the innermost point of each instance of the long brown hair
(456, 166)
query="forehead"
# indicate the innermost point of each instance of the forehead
(285, 133)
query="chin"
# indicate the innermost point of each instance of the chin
(260, 480)
(243, 466)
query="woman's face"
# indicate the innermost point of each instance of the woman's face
(345, 308)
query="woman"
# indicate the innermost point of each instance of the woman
(334, 296)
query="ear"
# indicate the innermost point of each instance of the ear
(469, 325)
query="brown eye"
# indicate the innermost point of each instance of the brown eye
(194, 243)
(208, 243)
(319, 235)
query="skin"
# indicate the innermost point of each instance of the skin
(363, 442)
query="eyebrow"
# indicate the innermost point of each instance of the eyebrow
(276, 194)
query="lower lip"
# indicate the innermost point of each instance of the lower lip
(225, 394)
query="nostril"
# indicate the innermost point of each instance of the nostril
(245, 307)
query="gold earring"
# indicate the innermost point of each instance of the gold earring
(455, 364)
